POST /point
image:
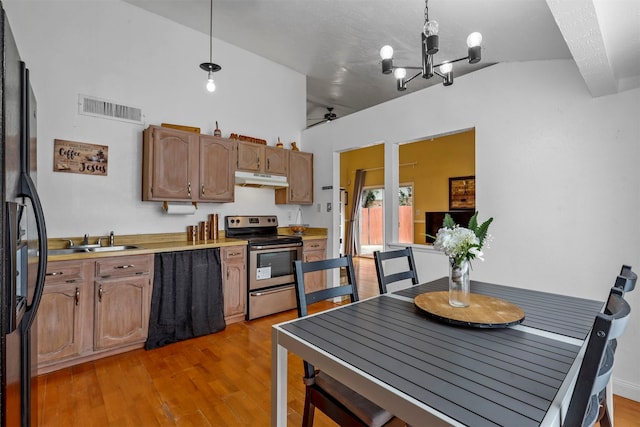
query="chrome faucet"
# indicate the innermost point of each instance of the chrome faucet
(111, 239)
(85, 241)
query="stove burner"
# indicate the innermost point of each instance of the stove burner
(261, 230)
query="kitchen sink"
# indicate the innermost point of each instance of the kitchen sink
(112, 248)
(67, 251)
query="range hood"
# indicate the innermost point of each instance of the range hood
(260, 180)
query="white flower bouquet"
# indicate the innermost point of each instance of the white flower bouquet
(462, 244)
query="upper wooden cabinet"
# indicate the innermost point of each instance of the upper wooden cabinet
(217, 157)
(186, 166)
(300, 190)
(260, 158)
(276, 160)
(169, 164)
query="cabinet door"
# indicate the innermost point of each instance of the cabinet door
(121, 311)
(300, 190)
(276, 160)
(234, 282)
(217, 168)
(170, 169)
(59, 335)
(65, 314)
(250, 157)
(314, 250)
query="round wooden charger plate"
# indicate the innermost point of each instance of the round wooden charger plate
(483, 311)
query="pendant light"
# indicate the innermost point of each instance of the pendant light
(210, 67)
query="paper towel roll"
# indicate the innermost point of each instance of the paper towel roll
(177, 209)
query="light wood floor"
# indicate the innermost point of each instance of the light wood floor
(221, 379)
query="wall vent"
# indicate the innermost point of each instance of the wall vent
(96, 107)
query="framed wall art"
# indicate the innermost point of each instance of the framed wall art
(80, 157)
(462, 192)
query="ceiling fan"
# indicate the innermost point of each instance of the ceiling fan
(330, 115)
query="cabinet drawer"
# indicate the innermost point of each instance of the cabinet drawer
(64, 272)
(233, 253)
(126, 265)
(314, 245)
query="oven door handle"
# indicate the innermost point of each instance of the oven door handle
(283, 246)
(271, 291)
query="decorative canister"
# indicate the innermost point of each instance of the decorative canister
(192, 233)
(213, 226)
(204, 230)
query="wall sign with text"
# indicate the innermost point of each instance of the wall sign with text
(79, 157)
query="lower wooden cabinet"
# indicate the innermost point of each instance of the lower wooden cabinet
(234, 282)
(314, 250)
(64, 311)
(91, 308)
(122, 301)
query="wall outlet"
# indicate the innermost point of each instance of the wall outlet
(319, 207)
(289, 216)
(329, 206)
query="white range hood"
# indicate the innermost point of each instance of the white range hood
(260, 180)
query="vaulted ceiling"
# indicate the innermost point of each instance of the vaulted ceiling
(336, 43)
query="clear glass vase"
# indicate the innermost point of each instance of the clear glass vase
(459, 284)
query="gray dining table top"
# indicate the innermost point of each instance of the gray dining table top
(477, 377)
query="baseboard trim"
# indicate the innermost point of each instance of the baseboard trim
(626, 389)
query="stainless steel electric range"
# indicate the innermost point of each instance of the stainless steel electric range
(270, 282)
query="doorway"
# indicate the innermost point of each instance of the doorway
(371, 221)
(372, 218)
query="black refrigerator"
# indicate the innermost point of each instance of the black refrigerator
(23, 237)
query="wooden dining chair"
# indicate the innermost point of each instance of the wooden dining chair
(386, 279)
(340, 403)
(626, 280)
(588, 403)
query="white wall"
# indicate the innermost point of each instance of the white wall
(116, 51)
(556, 168)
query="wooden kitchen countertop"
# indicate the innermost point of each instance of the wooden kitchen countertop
(156, 243)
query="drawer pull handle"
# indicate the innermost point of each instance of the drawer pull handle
(77, 296)
(70, 281)
(235, 253)
(100, 293)
(59, 273)
(124, 266)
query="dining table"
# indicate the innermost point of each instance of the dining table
(428, 371)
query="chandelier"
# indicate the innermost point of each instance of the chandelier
(210, 67)
(429, 48)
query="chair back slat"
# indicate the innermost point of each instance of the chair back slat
(386, 279)
(597, 363)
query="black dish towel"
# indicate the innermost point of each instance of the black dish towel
(187, 296)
